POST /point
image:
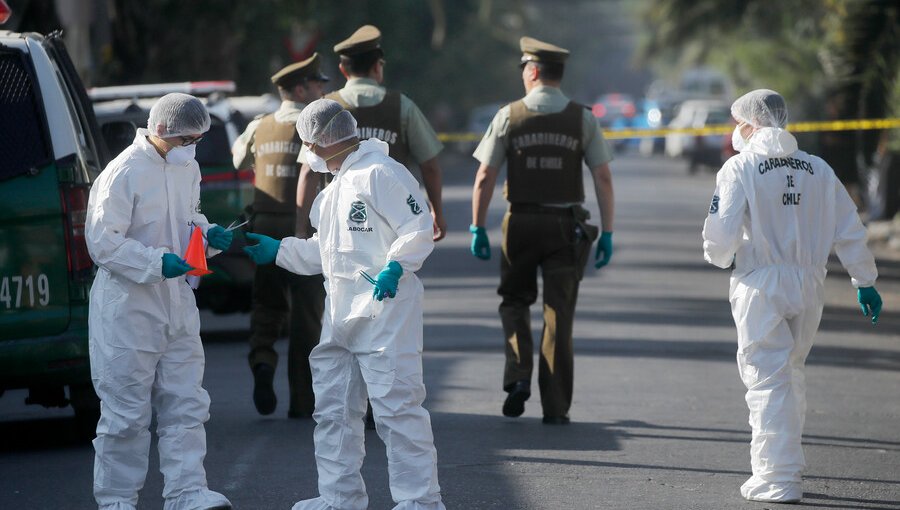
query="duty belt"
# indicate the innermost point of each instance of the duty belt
(540, 209)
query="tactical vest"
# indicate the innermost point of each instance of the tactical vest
(277, 145)
(381, 121)
(544, 156)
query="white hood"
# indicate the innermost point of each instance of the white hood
(773, 142)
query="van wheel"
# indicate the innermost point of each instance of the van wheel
(87, 409)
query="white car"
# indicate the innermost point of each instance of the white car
(697, 113)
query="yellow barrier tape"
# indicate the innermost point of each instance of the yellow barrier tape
(720, 129)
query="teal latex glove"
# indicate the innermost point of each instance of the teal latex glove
(481, 248)
(174, 266)
(870, 302)
(219, 238)
(265, 251)
(387, 280)
(604, 250)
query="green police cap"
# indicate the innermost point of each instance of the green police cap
(366, 38)
(539, 51)
(298, 72)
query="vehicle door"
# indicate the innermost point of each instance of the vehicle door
(48, 159)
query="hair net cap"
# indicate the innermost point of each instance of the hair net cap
(761, 108)
(178, 114)
(325, 122)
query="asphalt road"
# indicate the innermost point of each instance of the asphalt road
(658, 419)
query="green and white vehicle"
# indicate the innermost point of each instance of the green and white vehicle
(50, 153)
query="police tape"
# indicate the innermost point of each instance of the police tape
(720, 129)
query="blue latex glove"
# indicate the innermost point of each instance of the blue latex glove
(387, 280)
(219, 238)
(870, 302)
(481, 247)
(266, 249)
(604, 250)
(174, 266)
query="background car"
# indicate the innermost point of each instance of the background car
(646, 114)
(224, 192)
(608, 108)
(698, 150)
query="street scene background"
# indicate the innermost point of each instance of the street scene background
(658, 418)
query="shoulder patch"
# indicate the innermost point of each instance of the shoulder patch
(413, 205)
(714, 206)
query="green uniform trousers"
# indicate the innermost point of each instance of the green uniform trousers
(545, 238)
(282, 298)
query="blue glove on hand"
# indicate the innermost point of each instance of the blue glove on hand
(265, 251)
(387, 280)
(219, 238)
(174, 266)
(604, 247)
(481, 248)
(869, 301)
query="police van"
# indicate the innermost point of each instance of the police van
(51, 152)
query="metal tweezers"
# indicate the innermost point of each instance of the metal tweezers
(231, 227)
(367, 277)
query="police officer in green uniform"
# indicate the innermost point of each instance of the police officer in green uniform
(271, 145)
(384, 114)
(543, 137)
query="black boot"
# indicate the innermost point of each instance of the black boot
(515, 401)
(263, 392)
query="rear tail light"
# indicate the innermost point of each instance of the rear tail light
(75, 200)
(246, 176)
(5, 12)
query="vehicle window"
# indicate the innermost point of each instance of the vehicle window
(719, 117)
(214, 149)
(23, 140)
(92, 156)
(118, 135)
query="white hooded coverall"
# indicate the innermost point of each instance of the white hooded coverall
(144, 330)
(372, 213)
(777, 212)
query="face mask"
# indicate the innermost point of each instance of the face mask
(314, 160)
(316, 163)
(737, 140)
(181, 155)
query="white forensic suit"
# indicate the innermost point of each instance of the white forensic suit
(144, 330)
(776, 213)
(372, 213)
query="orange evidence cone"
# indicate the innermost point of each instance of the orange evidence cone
(195, 256)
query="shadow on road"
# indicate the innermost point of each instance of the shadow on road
(42, 434)
(828, 501)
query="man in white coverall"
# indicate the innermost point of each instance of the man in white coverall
(776, 214)
(144, 325)
(370, 216)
